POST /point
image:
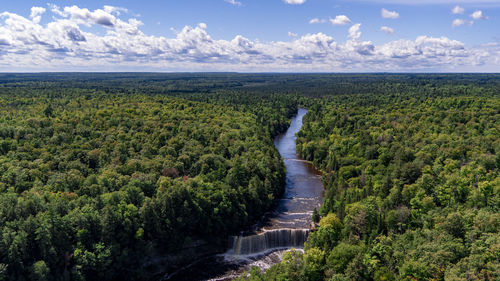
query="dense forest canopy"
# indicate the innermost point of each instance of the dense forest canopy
(90, 182)
(99, 171)
(412, 186)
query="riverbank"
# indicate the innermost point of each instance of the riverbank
(286, 226)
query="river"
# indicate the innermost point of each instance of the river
(286, 227)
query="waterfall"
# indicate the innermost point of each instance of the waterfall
(286, 225)
(271, 239)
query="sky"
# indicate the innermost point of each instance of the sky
(250, 35)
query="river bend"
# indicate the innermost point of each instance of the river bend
(287, 226)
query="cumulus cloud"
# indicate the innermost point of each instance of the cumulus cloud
(427, 50)
(291, 34)
(113, 9)
(458, 10)
(85, 16)
(64, 45)
(386, 14)
(36, 14)
(316, 20)
(295, 2)
(234, 2)
(355, 32)
(478, 15)
(458, 22)
(340, 20)
(387, 29)
(355, 45)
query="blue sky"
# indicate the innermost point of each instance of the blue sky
(251, 35)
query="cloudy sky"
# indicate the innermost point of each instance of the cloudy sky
(251, 35)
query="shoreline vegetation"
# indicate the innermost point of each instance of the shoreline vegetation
(99, 171)
(412, 188)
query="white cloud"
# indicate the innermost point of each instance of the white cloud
(355, 32)
(36, 14)
(386, 14)
(340, 20)
(291, 34)
(113, 9)
(355, 46)
(387, 29)
(458, 22)
(295, 2)
(84, 16)
(478, 15)
(55, 9)
(427, 50)
(102, 17)
(234, 2)
(62, 45)
(316, 20)
(458, 10)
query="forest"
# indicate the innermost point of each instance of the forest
(100, 171)
(91, 182)
(412, 186)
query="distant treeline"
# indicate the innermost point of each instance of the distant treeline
(311, 85)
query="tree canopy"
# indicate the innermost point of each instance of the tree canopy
(411, 185)
(100, 171)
